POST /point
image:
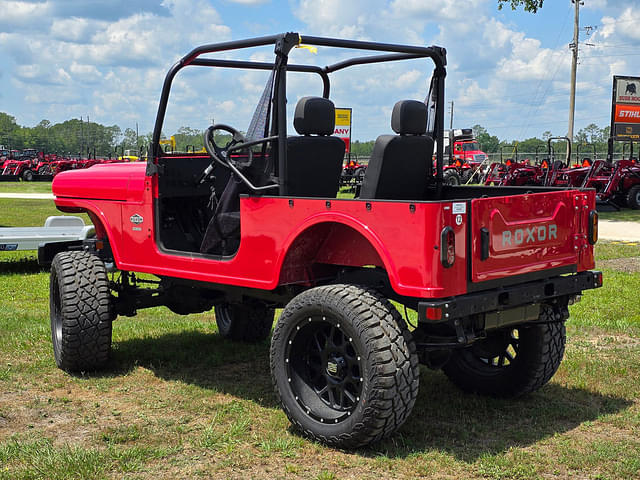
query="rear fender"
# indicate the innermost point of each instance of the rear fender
(328, 242)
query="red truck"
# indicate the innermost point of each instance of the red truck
(465, 156)
(255, 225)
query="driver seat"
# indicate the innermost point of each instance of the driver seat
(314, 159)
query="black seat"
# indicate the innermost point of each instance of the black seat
(400, 167)
(314, 159)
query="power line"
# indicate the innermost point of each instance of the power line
(531, 113)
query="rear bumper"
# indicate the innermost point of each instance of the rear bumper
(508, 297)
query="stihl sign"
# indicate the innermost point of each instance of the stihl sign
(627, 114)
(625, 109)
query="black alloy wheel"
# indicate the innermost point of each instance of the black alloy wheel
(344, 365)
(513, 361)
(324, 369)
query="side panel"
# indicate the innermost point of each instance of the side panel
(404, 236)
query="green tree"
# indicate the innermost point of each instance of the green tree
(8, 127)
(363, 149)
(488, 143)
(529, 5)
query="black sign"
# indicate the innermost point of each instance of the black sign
(627, 131)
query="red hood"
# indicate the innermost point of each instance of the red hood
(112, 181)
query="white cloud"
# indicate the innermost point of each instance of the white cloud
(75, 29)
(17, 15)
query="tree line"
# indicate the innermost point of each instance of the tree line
(587, 139)
(77, 136)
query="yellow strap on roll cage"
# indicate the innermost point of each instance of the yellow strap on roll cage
(311, 48)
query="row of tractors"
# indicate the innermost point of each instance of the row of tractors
(32, 165)
(617, 183)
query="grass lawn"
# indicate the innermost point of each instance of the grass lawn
(25, 187)
(177, 401)
(624, 215)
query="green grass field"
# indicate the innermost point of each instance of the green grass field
(178, 401)
(25, 187)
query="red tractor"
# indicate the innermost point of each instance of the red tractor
(352, 171)
(497, 171)
(616, 183)
(18, 169)
(490, 272)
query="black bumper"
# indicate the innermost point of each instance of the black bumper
(509, 297)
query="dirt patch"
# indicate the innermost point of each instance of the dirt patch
(626, 264)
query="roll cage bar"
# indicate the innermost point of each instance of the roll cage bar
(283, 43)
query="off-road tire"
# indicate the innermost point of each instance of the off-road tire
(466, 176)
(383, 355)
(451, 177)
(81, 312)
(249, 323)
(358, 175)
(538, 356)
(633, 197)
(27, 176)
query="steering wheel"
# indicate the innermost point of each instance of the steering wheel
(219, 153)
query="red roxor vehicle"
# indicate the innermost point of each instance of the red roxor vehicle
(255, 225)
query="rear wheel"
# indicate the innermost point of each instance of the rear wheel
(344, 365)
(466, 176)
(451, 177)
(81, 311)
(244, 323)
(510, 362)
(358, 175)
(633, 197)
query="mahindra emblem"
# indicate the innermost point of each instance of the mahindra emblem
(533, 234)
(136, 219)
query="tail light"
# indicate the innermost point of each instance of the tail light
(447, 247)
(433, 313)
(593, 227)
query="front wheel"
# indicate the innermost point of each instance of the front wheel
(510, 362)
(344, 365)
(81, 311)
(633, 197)
(27, 176)
(451, 177)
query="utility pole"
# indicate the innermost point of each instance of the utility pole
(451, 116)
(574, 66)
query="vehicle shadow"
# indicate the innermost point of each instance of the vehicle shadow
(444, 418)
(27, 264)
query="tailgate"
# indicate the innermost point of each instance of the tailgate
(523, 234)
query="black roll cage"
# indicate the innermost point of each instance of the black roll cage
(283, 43)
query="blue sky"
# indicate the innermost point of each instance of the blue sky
(508, 71)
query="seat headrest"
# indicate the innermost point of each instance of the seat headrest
(314, 115)
(409, 117)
